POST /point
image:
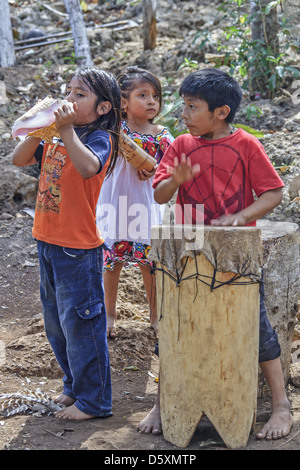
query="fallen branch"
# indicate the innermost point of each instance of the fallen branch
(56, 435)
(67, 35)
(289, 440)
(59, 13)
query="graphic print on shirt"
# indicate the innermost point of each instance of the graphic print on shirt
(49, 192)
(220, 186)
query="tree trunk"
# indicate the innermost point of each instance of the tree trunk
(265, 26)
(81, 42)
(149, 24)
(7, 53)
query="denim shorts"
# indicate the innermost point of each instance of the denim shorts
(72, 296)
(269, 347)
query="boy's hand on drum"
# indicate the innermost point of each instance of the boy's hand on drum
(184, 170)
(233, 220)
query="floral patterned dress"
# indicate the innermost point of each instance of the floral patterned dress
(126, 208)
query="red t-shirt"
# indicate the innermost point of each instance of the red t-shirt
(66, 202)
(231, 168)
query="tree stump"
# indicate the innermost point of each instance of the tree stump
(282, 286)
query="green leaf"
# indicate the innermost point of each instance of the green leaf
(280, 71)
(293, 70)
(250, 130)
(272, 82)
(270, 6)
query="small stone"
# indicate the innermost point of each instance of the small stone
(6, 216)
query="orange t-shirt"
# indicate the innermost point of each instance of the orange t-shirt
(66, 202)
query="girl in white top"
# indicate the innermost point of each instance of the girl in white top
(126, 208)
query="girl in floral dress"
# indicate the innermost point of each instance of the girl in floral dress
(126, 208)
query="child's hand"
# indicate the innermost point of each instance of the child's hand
(183, 171)
(144, 175)
(65, 116)
(233, 220)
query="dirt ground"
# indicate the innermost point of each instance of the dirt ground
(26, 359)
(29, 364)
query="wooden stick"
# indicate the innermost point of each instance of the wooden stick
(35, 42)
(59, 13)
(290, 439)
(56, 435)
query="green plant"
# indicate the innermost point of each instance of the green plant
(188, 64)
(254, 60)
(47, 65)
(70, 59)
(204, 36)
(253, 110)
(250, 130)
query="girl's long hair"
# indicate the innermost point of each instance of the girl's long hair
(104, 85)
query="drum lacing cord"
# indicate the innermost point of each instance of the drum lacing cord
(213, 284)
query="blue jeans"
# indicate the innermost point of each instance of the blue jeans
(72, 295)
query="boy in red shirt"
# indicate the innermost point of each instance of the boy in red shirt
(219, 167)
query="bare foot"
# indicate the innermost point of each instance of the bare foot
(64, 400)
(278, 426)
(72, 413)
(152, 422)
(111, 327)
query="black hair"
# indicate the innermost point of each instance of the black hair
(215, 87)
(133, 75)
(105, 86)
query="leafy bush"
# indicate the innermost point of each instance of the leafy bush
(261, 68)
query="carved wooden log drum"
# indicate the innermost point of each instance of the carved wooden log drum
(208, 308)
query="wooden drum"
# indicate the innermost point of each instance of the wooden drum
(208, 306)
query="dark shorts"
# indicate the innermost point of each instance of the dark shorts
(269, 347)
